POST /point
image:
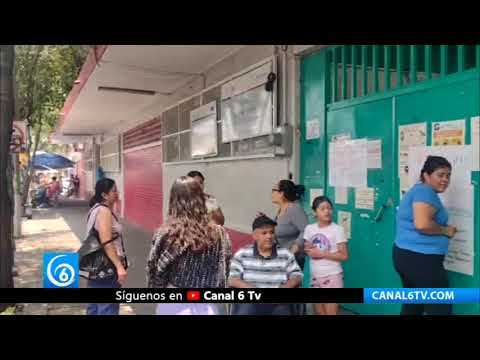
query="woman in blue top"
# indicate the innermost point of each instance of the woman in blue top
(423, 234)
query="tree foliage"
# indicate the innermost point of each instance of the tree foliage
(44, 76)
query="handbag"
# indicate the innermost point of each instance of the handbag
(94, 263)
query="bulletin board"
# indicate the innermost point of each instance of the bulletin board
(247, 106)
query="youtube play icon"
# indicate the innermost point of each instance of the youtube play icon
(193, 295)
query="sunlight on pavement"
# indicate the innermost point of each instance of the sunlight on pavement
(48, 231)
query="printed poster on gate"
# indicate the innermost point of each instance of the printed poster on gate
(409, 135)
(345, 221)
(448, 133)
(475, 140)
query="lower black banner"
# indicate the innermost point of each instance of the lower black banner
(134, 295)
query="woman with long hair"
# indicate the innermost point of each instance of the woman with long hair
(188, 251)
(108, 230)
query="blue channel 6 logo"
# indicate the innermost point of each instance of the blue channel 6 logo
(60, 270)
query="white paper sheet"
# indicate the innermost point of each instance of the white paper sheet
(409, 135)
(475, 140)
(356, 163)
(412, 135)
(341, 195)
(314, 193)
(313, 129)
(404, 185)
(374, 149)
(459, 203)
(332, 170)
(341, 137)
(365, 198)
(347, 163)
(345, 221)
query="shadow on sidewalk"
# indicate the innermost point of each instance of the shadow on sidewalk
(137, 245)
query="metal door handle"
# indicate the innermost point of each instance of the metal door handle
(380, 212)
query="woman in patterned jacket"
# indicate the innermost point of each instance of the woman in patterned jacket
(188, 251)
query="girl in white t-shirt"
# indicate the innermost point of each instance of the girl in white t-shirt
(326, 244)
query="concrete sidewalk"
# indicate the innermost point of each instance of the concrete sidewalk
(60, 230)
(50, 230)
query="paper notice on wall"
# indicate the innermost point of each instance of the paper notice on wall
(341, 195)
(364, 198)
(412, 135)
(315, 193)
(475, 140)
(356, 163)
(374, 151)
(313, 129)
(341, 137)
(347, 163)
(403, 172)
(404, 185)
(459, 203)
(460, 157)
(345, 221)
(332, 170)
(459, 261)
(448, 133)
(409, 135)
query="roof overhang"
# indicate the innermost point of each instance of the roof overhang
(119, 84)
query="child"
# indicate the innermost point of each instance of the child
(326, 244)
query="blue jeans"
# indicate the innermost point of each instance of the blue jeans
(103, 309)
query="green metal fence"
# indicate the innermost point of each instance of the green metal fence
(362, 70)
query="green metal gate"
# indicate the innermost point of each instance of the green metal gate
(368, 91)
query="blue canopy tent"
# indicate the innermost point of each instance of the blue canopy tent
(41, 167)
(44, 160)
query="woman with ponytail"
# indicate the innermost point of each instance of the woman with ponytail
(291, 218)
(104, 224)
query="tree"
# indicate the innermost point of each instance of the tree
(44, 76)
(6, 194)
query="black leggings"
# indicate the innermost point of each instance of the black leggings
(418, 270)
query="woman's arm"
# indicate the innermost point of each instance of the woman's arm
(423, 218)
(104, 228)
(340, 255)
(218, 217)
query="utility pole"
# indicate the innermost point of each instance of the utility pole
(7, 54)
